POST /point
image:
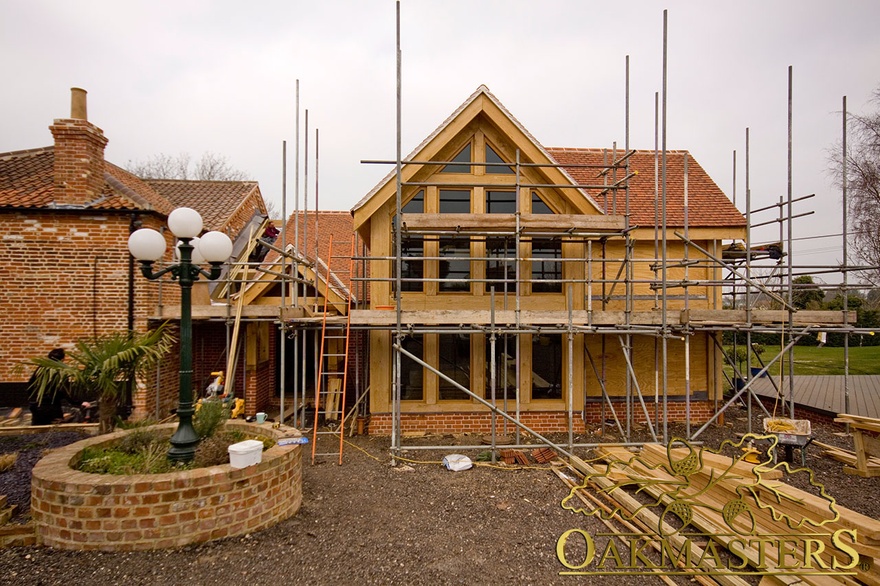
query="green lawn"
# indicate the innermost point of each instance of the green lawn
(813, 360)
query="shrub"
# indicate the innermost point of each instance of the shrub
(209, 417)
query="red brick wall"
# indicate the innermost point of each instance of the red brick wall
(539, 421)
(79, 511)
(261, 381)
(79, 161)
(64, 277)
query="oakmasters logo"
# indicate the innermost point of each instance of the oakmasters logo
(682, 509)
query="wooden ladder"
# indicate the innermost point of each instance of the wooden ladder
(332, 376)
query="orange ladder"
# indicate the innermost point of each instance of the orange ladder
(332, 376)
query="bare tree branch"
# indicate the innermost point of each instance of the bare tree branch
(210, 167)
(863, 187)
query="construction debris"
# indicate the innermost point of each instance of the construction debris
(511, 456)
(544, 455)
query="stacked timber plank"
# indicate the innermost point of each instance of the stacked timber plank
(866, 438)
(850, 458)
(726, 499)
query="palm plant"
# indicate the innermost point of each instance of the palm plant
(102, 368)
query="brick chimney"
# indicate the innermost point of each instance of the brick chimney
(79, 155)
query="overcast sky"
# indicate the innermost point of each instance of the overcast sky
(220, 76)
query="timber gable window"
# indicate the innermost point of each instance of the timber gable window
(412, 248)
(455, 362)
(500, 202)
(547, 366)
(538, 205)
(546, 274)
(455, 264)
(495, 164)
(412, 375)
(455, 201)
(500, 266)
(461, 162)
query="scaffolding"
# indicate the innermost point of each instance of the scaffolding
(674, 317)
(706, 291)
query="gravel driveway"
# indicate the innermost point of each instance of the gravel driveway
(366, 522)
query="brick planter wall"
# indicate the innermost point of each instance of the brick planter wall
(81, 511)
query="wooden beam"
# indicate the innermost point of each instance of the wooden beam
(507, 222)
(765, 316)
(221, 311)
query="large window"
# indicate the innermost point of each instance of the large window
(412, 248)
(412, 378)
(505, 367)
(455, 264)
(455, 362)
(547, 366)
(412, 267)
(501, 264)
(500, 202)
(546, 274)
(455, 201)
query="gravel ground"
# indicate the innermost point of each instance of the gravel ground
(366, 522)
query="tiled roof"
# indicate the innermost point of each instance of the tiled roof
(338, 224)
(26, 177)
(216, 201)
(708, 206)
(26, 181)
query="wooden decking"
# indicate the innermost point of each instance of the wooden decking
(825, 393)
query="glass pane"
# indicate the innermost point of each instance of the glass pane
(500, 202)
(455, 273)
(505, 369)
(538, 205)
(412, 379)
(455, 201)
(547, 366)
(493, 157)
(416, 205)
(455, 362)
(411, 263)
(546, 274)
(464, 156)
(501, 267)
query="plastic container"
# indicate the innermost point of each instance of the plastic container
(246, 453)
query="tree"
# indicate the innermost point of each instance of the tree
(863, 187)
(211, 167)
(806, 293)
(103, 368)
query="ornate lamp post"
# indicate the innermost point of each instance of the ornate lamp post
(148, 246)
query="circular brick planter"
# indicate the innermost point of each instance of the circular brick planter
(77, 510)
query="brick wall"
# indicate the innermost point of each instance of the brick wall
(539, 421)
(65, 277)
(79, 511)
(79, 161)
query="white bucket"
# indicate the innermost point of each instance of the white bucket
(246, 453)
